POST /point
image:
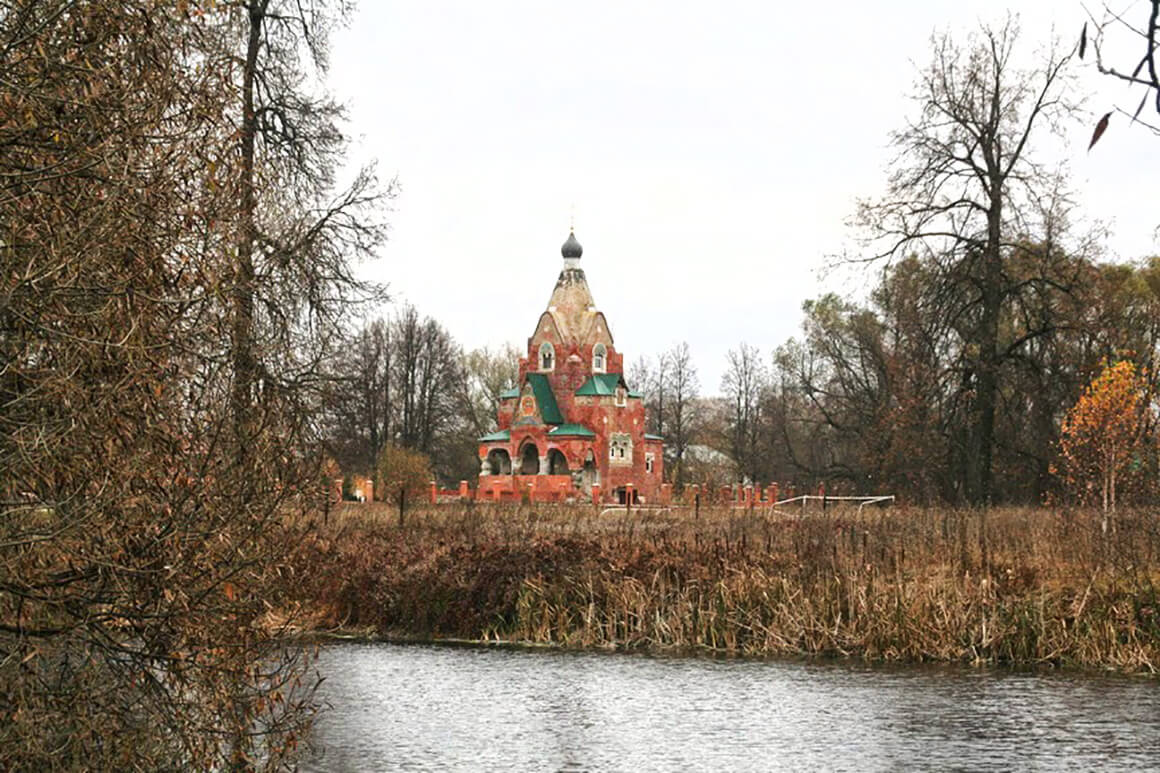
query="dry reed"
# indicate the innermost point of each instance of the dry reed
(1024, 585)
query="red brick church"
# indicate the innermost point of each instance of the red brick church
(571, 428)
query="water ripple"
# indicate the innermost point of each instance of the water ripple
(426, 708)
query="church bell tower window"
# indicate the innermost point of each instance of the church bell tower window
(547, 356)
(598, 355)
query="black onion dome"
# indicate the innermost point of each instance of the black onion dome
(571, 248)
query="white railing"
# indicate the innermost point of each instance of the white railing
(863, 501)
(765, 506)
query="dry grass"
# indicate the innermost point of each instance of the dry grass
(1013, 585)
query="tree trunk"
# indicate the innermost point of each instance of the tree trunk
(988, 341)
(242, 342)
(987, 386)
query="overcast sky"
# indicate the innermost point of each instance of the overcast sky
(710, 154)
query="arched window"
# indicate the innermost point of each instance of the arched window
(547, 356)
(598, 355)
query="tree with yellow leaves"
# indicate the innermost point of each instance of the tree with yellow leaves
(1103, 435)
(401, 474)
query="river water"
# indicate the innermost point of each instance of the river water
(438, 708)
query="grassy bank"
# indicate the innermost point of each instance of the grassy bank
(1011, 586)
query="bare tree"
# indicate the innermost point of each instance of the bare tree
(402, 381)
(684, 409)
(652, 376)
(641, 376)
(359, 403)
(295, 237)
(485, 374)
(156, 390)
(744, 384)
(964, 172)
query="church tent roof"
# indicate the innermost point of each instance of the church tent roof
(545, 398)
(601, 384)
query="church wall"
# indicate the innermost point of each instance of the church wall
(657, 449)
(616, 363)
(507, 411)
(575, 450)
(609, 420)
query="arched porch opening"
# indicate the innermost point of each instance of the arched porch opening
(557, 463)
(529, 460)
(499, 461)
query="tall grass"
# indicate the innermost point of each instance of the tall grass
(1017, 586)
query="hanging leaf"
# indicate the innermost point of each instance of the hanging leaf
(1101, 127)
(1083, 40)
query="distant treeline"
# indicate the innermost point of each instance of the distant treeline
(874, 396)
(403, 380)
(884, 394)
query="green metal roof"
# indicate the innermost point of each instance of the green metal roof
(509, 393)
(633, 393)
(545, 398)
(647, 436)
(503, 434)
(601, 384)
(578, 430)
